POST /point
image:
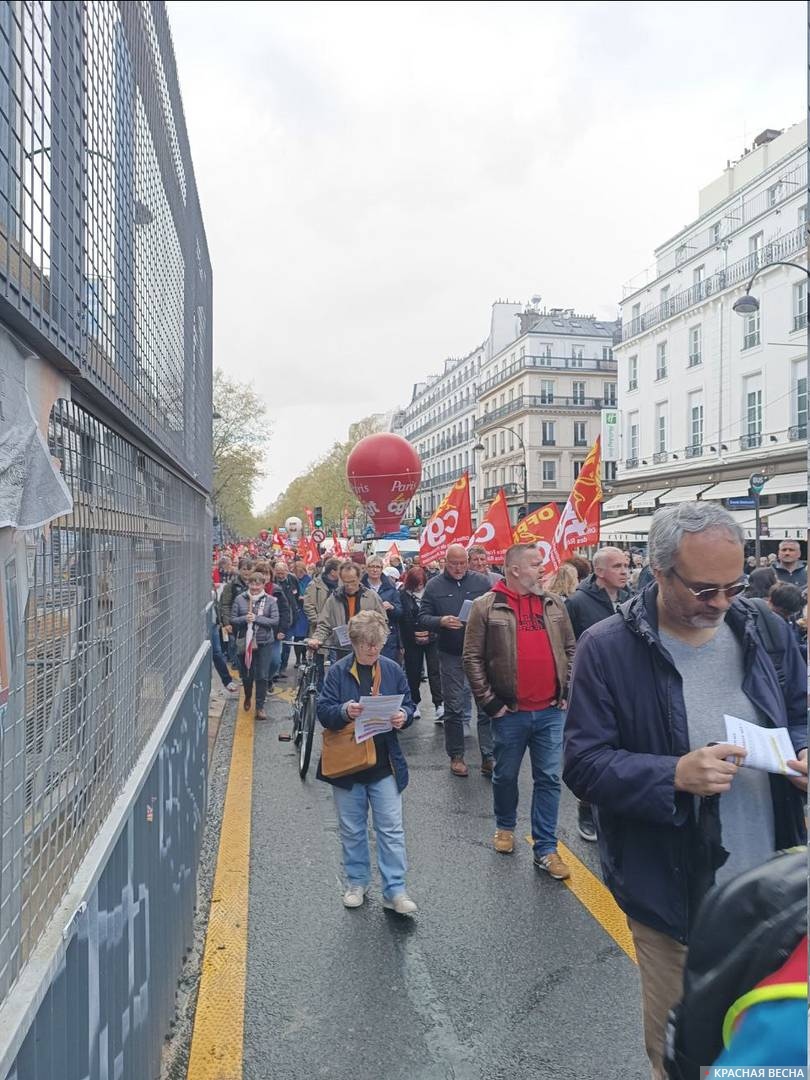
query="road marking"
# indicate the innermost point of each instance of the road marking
(593, 895)
(219, 1022)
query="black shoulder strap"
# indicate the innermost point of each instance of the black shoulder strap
(769, 629)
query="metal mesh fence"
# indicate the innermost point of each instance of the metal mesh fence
(102, 247)
(113, 614)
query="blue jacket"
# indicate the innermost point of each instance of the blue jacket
(389, 594)
(625, 729)
(340, 687)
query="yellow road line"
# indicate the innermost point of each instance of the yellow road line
(217, 1041)
(593, 895)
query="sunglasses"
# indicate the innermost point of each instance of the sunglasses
(729, 591)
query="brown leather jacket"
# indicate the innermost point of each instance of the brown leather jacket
(490, 649)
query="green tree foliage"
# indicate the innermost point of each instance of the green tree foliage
(323, 484)
(240, 438)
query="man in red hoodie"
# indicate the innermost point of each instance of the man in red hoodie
(518, 650)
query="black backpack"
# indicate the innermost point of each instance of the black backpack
(744, 930)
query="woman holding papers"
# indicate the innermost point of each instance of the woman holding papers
(347, 698)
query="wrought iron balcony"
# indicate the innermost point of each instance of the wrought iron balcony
(736, 274)
(546, 363)
(695, 450)
(631, 463)
(660, 457)
(508, 490)
(798, 431)
(800, 321)
(443, 417)
(538, 403)
(751, 441)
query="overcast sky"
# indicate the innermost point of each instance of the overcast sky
(374, 176)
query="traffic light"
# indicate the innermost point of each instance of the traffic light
(318, 517)
(522, 511)
(418, 518)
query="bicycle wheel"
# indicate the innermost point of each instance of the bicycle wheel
(298, 708)
(307, 735)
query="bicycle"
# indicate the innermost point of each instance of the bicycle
(304, 711)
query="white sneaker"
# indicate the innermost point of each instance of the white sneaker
(233, 687)
(417, 715)
(401, 904)
(354, 896)
(439, 714)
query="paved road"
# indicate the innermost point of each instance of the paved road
(503, 974)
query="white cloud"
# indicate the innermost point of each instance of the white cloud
(373, 177)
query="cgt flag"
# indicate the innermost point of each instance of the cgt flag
(580, 520)
(539, 528)
(495, 531)
(451, 524)
(345, 529)
(310, 518)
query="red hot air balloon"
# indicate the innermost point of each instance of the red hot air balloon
(384, 472)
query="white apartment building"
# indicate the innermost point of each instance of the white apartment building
(540, 402)
(439, 420)
(707, 395)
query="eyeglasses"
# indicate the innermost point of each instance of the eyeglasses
(730, 591)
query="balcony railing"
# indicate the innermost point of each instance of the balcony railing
(446, 478)
(694, 359)
(798, 431)
(540, 402)
(508, 490)
(751, 441)
(631, 463)
(695, 450)
(548, 363)
(736, 274)
(660, 457)
(800, 321)
(444, 415)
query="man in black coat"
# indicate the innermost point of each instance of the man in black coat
(442, 602)
(598, 597)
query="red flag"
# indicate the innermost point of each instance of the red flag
(303, 547)
(495, 531)
(580, 520)
(538, 528)
(392, 551)
(310, 518)
(346, 522)
(451, 524)
(337, 548)
(277, 541)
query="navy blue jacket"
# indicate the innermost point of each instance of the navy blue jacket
(625, 729)
(389, 594)
(340, 686)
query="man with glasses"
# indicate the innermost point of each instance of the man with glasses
(645, 741)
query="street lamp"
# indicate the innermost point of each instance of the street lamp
(748, 304)
(502, 427)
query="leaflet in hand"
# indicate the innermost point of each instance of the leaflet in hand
(466, 608)
(342, 635)
(768, 749)
(375, 718)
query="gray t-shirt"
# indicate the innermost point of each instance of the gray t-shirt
(712, 677)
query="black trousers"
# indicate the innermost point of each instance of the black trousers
(414, 655)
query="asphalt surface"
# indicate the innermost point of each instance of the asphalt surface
(503, 973)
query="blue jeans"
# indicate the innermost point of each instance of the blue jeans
(275, 659)
(386, 813)
(541, 731)
(218, 657)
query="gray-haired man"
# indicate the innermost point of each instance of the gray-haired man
(645, 741)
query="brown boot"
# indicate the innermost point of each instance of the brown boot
(487, 765)
(504, 841)
(246, 702)
(458, 768)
